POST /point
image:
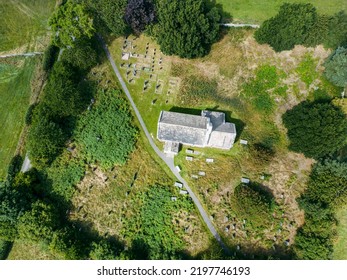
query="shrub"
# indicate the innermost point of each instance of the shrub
(335, 67)
(139, 14)
(5, 248)
(106, 133)
(29, 114)
(49, 57)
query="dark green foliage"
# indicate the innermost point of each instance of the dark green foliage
(139, 14)
(71, 23)
(13, 168)
(186, 28)
(262, 153)
(5, 247)
(29, 114)
(65, 173)
(337, 31)
(45, 141)
(314, 240)
(83, 56)
(315, 129)
(62, 96)
(328, 183)
(49, 57)
(38, 224)
(254, 204)
(109, 15)
(335, 67)
(106, 134)
(291, 26)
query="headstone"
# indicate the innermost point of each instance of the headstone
(189, 151)
(195, 176)
(243, 142)
(209, 160)
(183, 192)
(173, 198)
(245, 180)
(189, 158)
(178, 184)
(178, 168)
(202, 173)
(197, 153)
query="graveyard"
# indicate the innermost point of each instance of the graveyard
(158, 82)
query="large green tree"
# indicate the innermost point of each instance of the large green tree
(316, 129)
(336, 67)
(109, 15)
(291, 26)
(69, 23)
(186, 28)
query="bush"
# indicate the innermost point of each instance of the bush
(14, 167)
(335, 67)
(315, 129)
(5, 248)
(49, 57)
(139, 14)
(106, 133)
(29, 114)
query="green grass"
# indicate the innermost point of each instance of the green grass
(14, 96)
(21, 21)
(340, 249)
(256, 11)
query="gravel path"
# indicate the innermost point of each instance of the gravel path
(169, 161)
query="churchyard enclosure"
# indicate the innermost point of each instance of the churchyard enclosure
(254, 86)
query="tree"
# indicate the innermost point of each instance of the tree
(291, 26)
(139, 14)
(106, 133)
(110, 14)
(186, 28)
(39, 223)
(315, 129)
(335, 67)
(70, 23)
(328, 183)
(83, 56)
(45, 141)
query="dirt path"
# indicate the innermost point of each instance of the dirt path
(21, 54)
(168, 161)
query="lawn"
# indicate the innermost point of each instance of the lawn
(22, 21)
(340, 250)
(256, 11)
(15, 94)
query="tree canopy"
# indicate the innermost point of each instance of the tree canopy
(291, 26)
(315, 129)
(140, 13)
(69, 23)
(106, 133)
(335, 67)
(109, 15)
(186, 28)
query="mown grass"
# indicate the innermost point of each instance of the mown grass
(340, 248)
(22, 21)
(256, 11)
(14, 95)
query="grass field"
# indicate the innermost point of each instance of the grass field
(340, 250)
(23, 21)
(256, 11)
(15, 94)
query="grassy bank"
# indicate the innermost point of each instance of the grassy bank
(256, 11)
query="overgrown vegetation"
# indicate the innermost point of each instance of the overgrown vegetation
(106, 134)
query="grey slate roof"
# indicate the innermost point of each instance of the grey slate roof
(209, 129)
